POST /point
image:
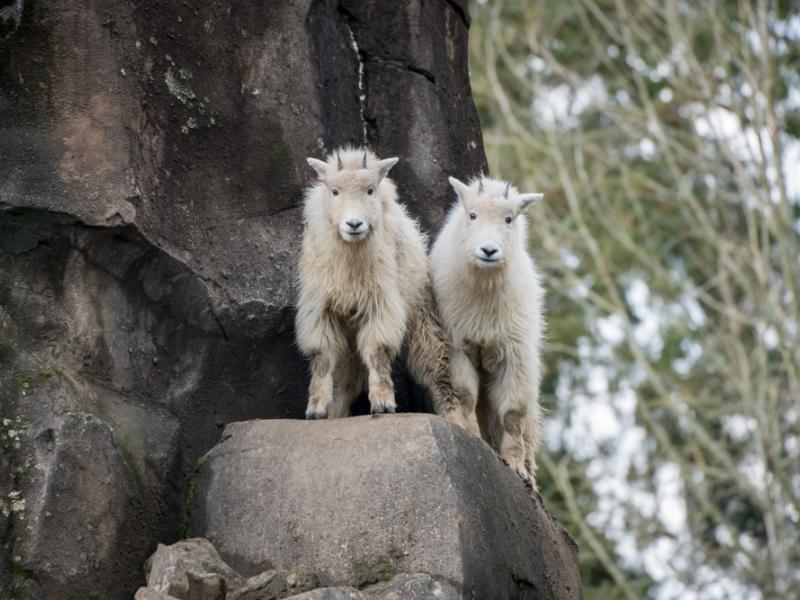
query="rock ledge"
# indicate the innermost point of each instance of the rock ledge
(361, 499)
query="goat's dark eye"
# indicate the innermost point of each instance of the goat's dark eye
(334, 191)
(370, 190)
(473, 215)
(508, 220)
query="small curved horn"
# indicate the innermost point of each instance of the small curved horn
(508, 187)
(339, 160)
(364, 162)
(480, 184)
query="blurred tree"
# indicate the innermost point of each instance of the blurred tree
(664, 134)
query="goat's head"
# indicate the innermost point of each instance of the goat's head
(352, 180)
(492, 230)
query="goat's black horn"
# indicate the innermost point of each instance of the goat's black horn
(480, 184)
(508, 187)
(364, 162)
(339, 160)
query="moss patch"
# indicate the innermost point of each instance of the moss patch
(188, 500)
(30, 381)
(19, 574)
(372, 574)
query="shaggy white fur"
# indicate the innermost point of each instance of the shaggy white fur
(490, 298)
(364, 290)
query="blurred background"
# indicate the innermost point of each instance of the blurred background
(664, 134)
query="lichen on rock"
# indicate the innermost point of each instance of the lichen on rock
(178, 86)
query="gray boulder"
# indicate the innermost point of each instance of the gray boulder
(71, 471)
(362, 499)
(76, 482)
(190, 570)
(193, 570)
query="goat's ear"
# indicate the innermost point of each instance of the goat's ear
(385, 165)
(460, 187)
(525, 200)
(319, 166)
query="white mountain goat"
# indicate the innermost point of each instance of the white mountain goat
(490, 299)
(365, 290)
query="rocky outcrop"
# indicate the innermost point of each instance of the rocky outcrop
(362, 499)
(152, 162)
(192, 570)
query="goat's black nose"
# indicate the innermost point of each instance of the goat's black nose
(354, 223)
(488, 250)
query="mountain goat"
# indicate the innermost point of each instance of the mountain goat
(365, 291)
(489, 297)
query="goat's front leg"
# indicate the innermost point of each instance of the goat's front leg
(511, 392)
(321, 338)
(378, 341)
(320, 390)
(381, 387)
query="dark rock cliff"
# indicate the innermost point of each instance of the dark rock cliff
(152, 163)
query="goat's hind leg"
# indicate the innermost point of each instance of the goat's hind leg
(349, 383)
(430, 354)
(466, 387)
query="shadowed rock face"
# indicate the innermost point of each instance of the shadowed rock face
(152, 162)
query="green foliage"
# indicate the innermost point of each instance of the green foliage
(665, 137)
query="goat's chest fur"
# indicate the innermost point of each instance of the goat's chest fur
(495, 321)
(358, 280)
(487, 312)
(355, 279)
